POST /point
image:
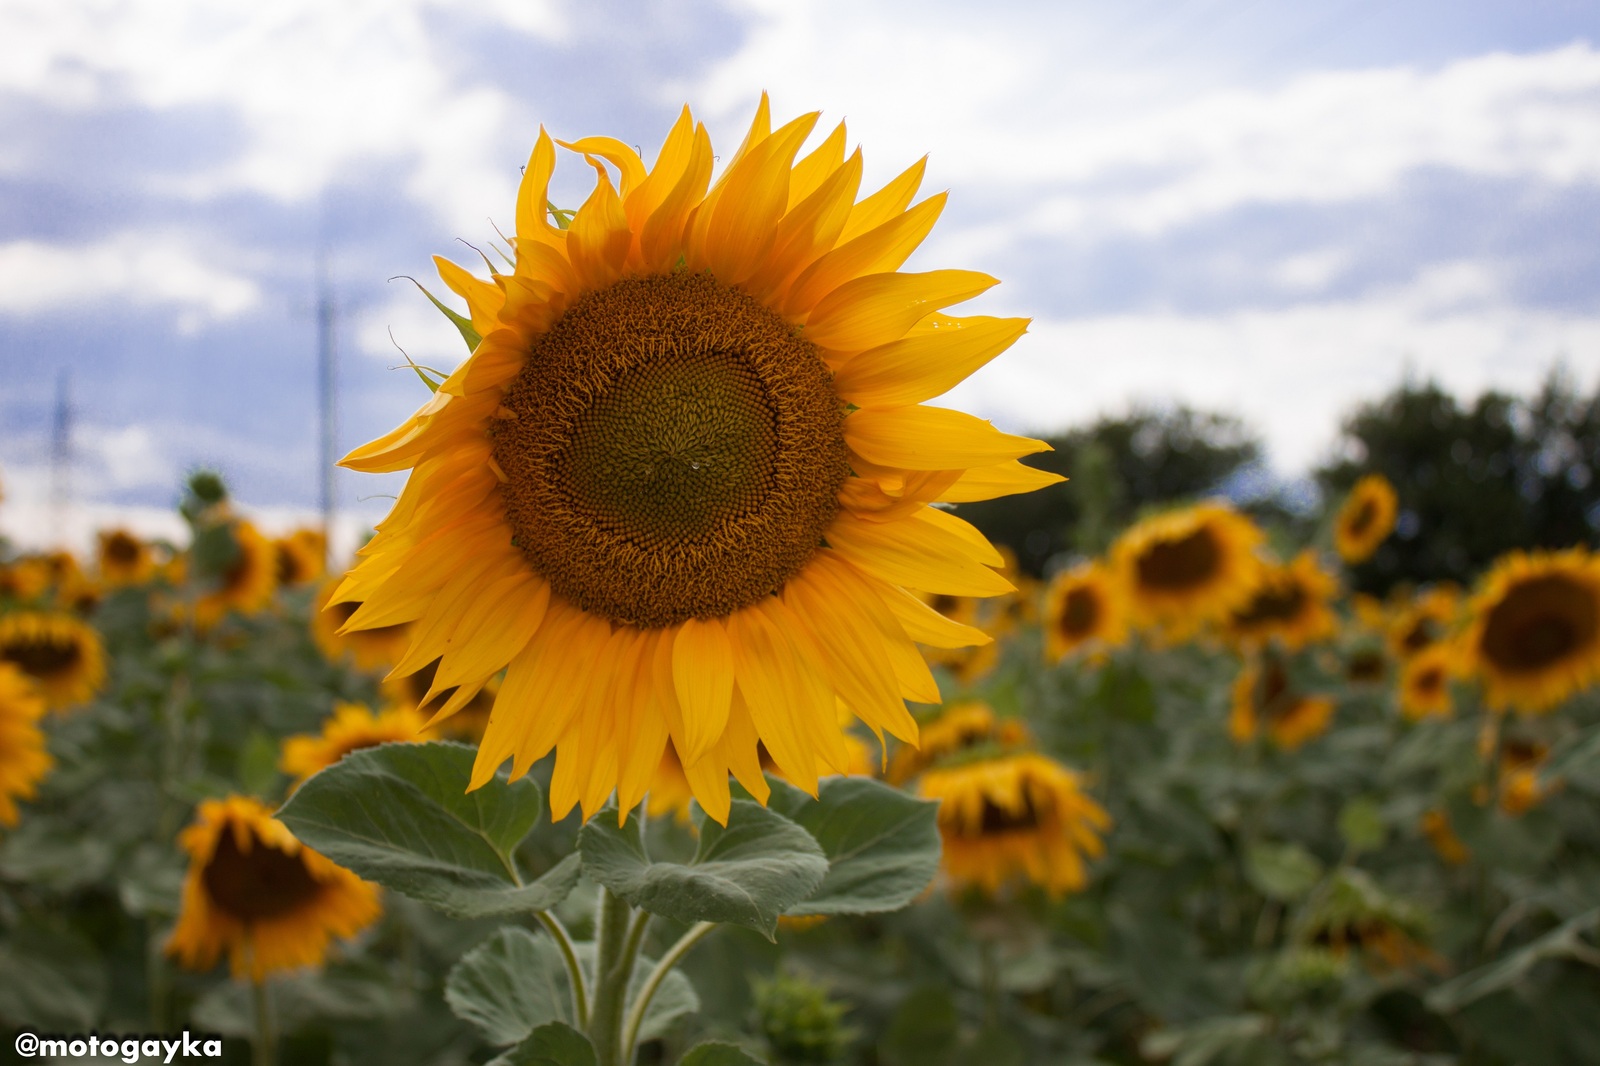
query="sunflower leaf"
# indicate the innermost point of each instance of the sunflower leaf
(400, 815)
(746, 873)
(882, 845)
(555, 1044)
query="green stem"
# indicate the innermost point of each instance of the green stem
(569, 955)
(263, 1051)
(676, 952)
(618, 936)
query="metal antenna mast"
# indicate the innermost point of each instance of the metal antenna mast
(327, 325)
(61, 458)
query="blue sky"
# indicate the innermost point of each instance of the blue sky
(1266, 207)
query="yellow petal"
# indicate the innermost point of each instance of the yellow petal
(880, 308)
(484, 298)
(915, 553)
(931, 438)
(881, 249)
(775, 691)
(533, 196)
(887, 202)
(598, 239)
(735, 226)
(925, 625)
(806, 232)
(938, 354)
(661, 240)
(702, 678)
(810, 172)
(1002, 479)
(629, 166)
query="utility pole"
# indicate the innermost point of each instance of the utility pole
(327, 325)
(61, 458)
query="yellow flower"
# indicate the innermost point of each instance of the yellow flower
(1425, 683)
(970, 660)
(1288, 604)
(962, 727)
(1436, 827)
(124, 559)
(366, 649)
(684, 482)
(1520, 764)
(299, 557)
(26, 579)
(669, 788)
(1366, 518)
(1424, 621)
(1353, 912)
(23, 757)
(1262, 694)
(257, 893)
(1533, 634)
(1083, 611)
(1017, 817)
(247, 585)
(351, 727)
(1186, 568)
(63, 656)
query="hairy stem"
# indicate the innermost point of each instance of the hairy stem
(619, 933)
(652, 984)
(569, 955)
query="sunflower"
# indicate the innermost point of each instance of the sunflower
(1435, 825)
(683, 484)
(1521, 762)
(23, 758)
(1262, 694)
(1020, 816)
(1366, 518)
(25, 579)
(1083, 611)
(257, 893)
(1186, 568)
(1425, 683)
(63, 655)
(366, 649)
(1352, 911)
(351, 727)
(247, 584)
(1288, 604)
(961, 728)
(124, 559)
(1533, 634)
(1424, 621)
(469, 720)
(299, 557)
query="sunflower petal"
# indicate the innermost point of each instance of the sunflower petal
(702, 677)
(880, 308)
(1002, 479)
(881, 249)
(937, 355)
(915, 553)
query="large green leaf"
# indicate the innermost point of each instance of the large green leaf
(717, 1054)
(552, 1044)
(882, 845)
(516, 981)
(400, 815)
(746, 873)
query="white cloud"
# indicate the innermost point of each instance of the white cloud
(148, 269)
(1292, 372)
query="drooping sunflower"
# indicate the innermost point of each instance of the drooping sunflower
(1366, 518)
(351, 727)
(247, 585)
(1425, 683)
(23, 756)
(63, 655)
(683, 483)
(1435, 825)
(366, 649)
(1264, 698)
(1020, 816)
(1353, 912)
(299, 557)
(1083, 612)
(1533, 634)
(257, 893)
(124, 559)
(960, 728)
(1289, 604)
(1424, 620)
(1187, 568)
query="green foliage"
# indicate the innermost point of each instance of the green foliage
(801, 1023)
(553, 1044)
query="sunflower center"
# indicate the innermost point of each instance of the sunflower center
(673, 450)
(123, 549)
(1180, 564)
(1538, 623)
(1361, 520)
(1278, 602)
(42, 657)
(257, 884)
(998, 819)
(1364, 665)
(1079, 612)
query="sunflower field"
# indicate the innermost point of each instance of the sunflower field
(676, 714)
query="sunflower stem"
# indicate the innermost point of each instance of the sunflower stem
(263, 1049)
(652, 984)
(619, 935)
(569, 955)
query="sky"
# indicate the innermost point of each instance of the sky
(1273, 209)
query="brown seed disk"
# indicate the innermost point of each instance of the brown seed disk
(677, 451)
(42, 656)
(260, 883)
(1181, 564)
(1538, 623)
(1079, 613)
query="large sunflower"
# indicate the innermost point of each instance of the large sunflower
(1264, 698)
(124, 559)
(1020, 816)
(1366, 518)
(23, 758)
(1534, 629)
(1289, 604)
(63, 655)
(1083, 611)
(682, 486)
(351, 727)
(257, 893)
(1186, 568)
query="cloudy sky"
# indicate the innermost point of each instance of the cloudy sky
(1272, 207)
